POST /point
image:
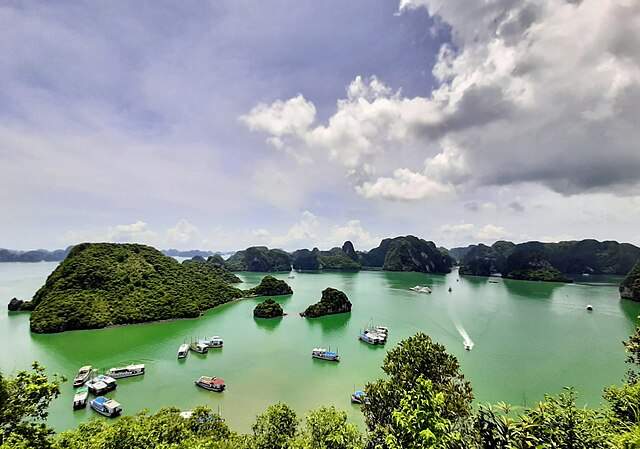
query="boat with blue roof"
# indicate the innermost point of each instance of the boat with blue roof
(324, 354)
(358, 397)
(106, 407)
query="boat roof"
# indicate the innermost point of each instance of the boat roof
(212, 380)
(85, 368)
(330, 353)
(184, 345)
(112, 403)
(128, 367)
(101, 400)
(358, 393)
(319, 350)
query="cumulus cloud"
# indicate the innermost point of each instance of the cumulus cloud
(544, 92)
(469, 233)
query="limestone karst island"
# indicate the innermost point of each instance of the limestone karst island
(401, 224)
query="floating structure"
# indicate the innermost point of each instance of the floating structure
(101, 384)
(358, 397)
(84, 374)
(106, 407)
(374, 335)
(183, 351)
(199, 347)
(420, 289)
(324, 354)
(80, 398)
(589, 307)
(211, 383)
(212, 342)
(126, 371)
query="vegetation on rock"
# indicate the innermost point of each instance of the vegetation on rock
(259, 258)
(214, 265)
(407, 253)
(538, 261)
(333, 301)
(303, 259)
(630, 287)
(268, 309)
(36, 255)
(270, 286)
(339, 259)
(103, 284)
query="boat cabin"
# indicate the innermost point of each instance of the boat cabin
(106, 407)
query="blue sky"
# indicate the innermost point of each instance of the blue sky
(227, 123)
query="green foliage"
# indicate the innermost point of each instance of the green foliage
(337, 259)
(102, 284)
(332, 301)
(275, 427)
(408, 253)
(215, 265)
(24, 402)
(270, 286)
(327, 428)
(268, 309)
(418, 422)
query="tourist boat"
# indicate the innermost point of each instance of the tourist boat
(420, 289)
(382, 330)
(80, 398)
(183, 351)
(211, 383)
(358, 397)
(199, 347)
(213, 342)
(126, 371)
(373, 338)
(83, 376)
(101, 384)
(106, 407)
(323, 354)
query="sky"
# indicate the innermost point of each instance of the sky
(227, 123)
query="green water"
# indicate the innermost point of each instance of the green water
(530, 338)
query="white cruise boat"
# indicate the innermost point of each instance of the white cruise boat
(183, 351)
(213, 342)
(126, 371)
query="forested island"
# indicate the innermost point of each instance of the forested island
(332, 301)
(270, 286)
(630, 287)
(555, 262)
(105, 284)
(268, 309)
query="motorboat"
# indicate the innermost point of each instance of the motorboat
(323, 354)
(80, 398)
(101, 384)
(212, 342)
(211, 383)
(126, 371)
(83, 376)
(199, 347)
(183, 351)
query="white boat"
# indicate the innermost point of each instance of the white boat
(323, 354)
(213, 342)
(183, 351)
(106, 407)
(420, 289)
(211, 383)
(80, 398)
(199, 347)
(372, 337)
(101, 384)
(83, 376)
(126, 371)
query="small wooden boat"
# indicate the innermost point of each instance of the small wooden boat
(101, 384)
(213, 342)
(199, 347)
(323, 354)
(106, 407)
(80, 398)
(83, 376)
(211, 383)
(126, 371)
(183, 351)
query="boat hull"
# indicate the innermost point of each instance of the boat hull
(216, 388)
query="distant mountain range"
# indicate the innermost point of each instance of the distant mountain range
(43, 255)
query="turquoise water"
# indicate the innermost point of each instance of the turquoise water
(530, 338)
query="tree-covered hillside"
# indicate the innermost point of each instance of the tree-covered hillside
(103, 284)
(259, 258)
(407, 253)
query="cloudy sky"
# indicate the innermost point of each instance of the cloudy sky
(220, 124)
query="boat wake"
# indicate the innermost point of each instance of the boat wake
(468, 342)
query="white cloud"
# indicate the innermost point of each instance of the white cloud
(469, 233)
(183, 234)
(543, 91)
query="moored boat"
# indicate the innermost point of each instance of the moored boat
(199, 347)
(80, 398)
(211, 383)
(323, 354)
(101, 384)
(358, 397)
(183, 351)
(126, 371)
(106, 407)
(420, 289)
(373, 337)
(83, 376)
(213, 342)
